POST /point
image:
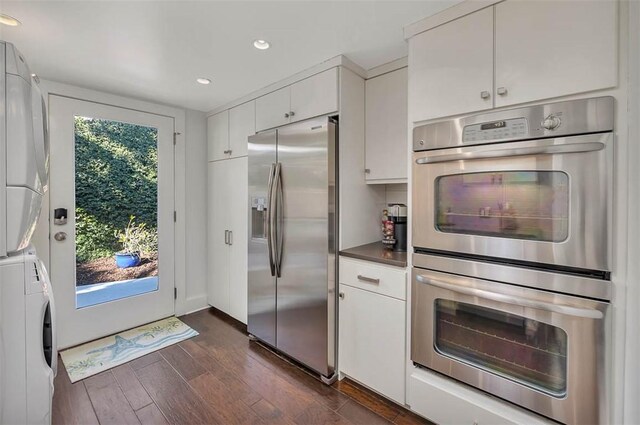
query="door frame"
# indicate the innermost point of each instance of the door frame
(183, 304)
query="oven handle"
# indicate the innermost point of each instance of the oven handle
(509, 299)
(500, 153)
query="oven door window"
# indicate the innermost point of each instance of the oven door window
(529, 352)
(531, 205)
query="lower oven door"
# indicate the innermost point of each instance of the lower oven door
(538, 201)
(540, 350)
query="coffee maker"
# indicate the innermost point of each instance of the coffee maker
(397, 216)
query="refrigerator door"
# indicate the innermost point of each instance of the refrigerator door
(261, 279)
(305, 255)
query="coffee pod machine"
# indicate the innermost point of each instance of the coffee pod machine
(398, 215)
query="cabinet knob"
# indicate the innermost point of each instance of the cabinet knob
(227, 152)
(501, 91)
(291, 113)
(367, 171)
(286, 115)
(485, 94)
(341, 295)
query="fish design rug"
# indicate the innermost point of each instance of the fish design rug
(96, 356)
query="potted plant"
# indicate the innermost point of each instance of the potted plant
(136, 240)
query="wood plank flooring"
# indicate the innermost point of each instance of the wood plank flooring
(218, 377)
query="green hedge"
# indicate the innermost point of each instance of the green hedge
(116, 177)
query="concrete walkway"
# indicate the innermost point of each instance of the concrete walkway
(99, 293)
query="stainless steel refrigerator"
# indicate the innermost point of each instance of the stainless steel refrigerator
(292, 241)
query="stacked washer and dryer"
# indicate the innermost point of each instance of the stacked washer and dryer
(27, 338)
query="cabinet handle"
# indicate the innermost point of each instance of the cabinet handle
(501, 91)
(341, 295)
(230, 237)
(368, 279)
(286, 115)
(226, 237)
(227, 152)
(291, 113)
(485, 94)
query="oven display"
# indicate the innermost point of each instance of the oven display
(516, 128)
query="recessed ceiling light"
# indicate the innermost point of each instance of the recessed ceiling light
(204, 81)
(261, 44)
(9, 20)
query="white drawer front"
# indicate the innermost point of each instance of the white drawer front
(386, 280)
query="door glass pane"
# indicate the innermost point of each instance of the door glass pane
(524, 350)
(116, 181)
(530, 205)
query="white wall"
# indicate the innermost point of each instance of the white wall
(190, 192)
(196, 211)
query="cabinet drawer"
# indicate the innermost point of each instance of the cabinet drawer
(385, 280)
(445, 401)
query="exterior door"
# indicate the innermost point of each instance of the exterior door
(112, 170)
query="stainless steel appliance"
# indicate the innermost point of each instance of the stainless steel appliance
(528, 186)
(512, 254)
(541, 350)
(292, 241)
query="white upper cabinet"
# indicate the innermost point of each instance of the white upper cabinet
(242, 124)
(314, 96)
(386, 128)
(451, 67)
(311, 97)
(218, 136)
(272, 110)
(552, 49)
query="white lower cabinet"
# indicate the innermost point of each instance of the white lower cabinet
(445, 401)
(227, 238)
(371, 347)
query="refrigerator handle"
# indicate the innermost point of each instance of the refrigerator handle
(272, 263)
(278, 219)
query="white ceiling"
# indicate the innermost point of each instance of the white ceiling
(155, 50)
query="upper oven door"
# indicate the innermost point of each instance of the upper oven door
(538, 201)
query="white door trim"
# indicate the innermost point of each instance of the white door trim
(183, 304)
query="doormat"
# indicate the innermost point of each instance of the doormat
(96, 356)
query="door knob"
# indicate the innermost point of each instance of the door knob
(60, 236)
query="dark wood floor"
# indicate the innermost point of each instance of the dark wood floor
(218, 377)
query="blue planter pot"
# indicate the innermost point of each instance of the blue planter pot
(125, 260)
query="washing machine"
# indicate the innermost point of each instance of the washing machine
(28, 357)
(27, 316)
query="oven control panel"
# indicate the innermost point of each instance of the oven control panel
(495, 130)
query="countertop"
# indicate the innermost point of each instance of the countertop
(376, 252)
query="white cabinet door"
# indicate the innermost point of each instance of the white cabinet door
(372, 341)
(272, 110)
(218, 135)
(218, 212)
(239, 208)
(315, 96)
(386, 143)
(552, 49)
(242, 124)
(452, 68)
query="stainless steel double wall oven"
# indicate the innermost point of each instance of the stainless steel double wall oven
(512, 215)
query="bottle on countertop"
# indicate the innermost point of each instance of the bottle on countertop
(387, 230)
